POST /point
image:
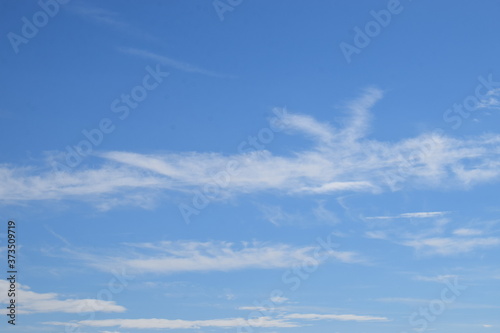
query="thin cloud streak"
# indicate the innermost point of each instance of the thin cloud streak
(167, 61)
(342, 317)
(446, 246)
(155, 323)
(111, 19)
(418, 215)
(439, 278)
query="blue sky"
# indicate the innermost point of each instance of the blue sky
(251, 166)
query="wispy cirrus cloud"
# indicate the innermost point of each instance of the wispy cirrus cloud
(468, 232)
(439, 278)
(283, 321)
(155, 323)
(432, 234)
(99, 14)
(29, 183)
(341, 317)
(491, 100)
(339, 160)
(172, 257)
(318, 215)
(446, 246)
(416, 215)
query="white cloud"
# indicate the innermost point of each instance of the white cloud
(376, 234)
(33, 302)
(310, 127)
(80, 184)
(277, 216)
(263, 322)
(491, 101)
(421, 215)
(467, 232)
(357, 125)
(341, 159)
(184, 256)
(359, 186)
(100, 15)
(278, 299)
(342, 317)
(439, 278)
(155, 323)
(261, 309)
(321, 213)
(418, 215)
(431, 236)
(318, 215)
(451, 246)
